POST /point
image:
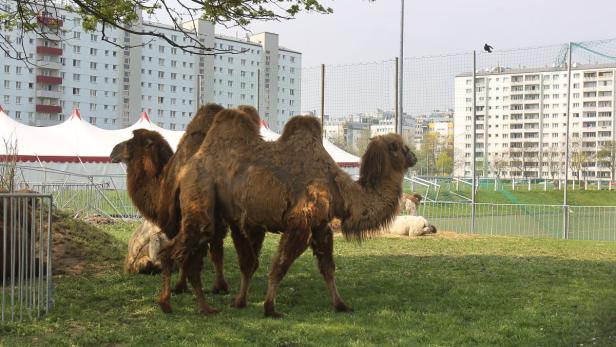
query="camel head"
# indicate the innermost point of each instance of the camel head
(147, 150)
(386, 154)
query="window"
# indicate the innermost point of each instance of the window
(76, 34)
(93, 51)
(75, 91)
(76, 49)
(76, 77)
(92, 79)
(161, 74)
(92, 65)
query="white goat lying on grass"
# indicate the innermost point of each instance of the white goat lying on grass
(411, 226)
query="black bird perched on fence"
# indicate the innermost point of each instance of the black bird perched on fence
(488, 48)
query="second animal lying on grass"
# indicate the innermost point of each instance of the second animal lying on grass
(411, 226)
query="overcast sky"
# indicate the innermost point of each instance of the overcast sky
(361, 31)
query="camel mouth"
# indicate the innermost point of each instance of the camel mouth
(411, 159)
(117, 154)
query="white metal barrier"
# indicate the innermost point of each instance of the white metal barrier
(25, 255)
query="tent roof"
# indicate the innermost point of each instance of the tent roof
(75, 140)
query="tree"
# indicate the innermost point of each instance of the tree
(103, 15)
(361, 144)
(428, 153)
(444, 163)
(607, 157)
(580, 160)
(499, 164)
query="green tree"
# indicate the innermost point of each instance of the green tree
(444, 163)
(607, 157)
(104, 15)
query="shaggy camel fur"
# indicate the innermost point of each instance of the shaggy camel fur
(152, 170)
(291, 186)
(410, 203)
(411, 226)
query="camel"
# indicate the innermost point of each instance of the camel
(152, 169)
(410, 203)
(291, 186)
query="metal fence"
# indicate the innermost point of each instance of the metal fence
(25, 255)
(584, 222)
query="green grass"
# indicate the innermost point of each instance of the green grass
(475, 291)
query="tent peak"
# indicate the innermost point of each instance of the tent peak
(76, 114)
(144, 117)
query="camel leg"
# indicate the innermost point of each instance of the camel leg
(248, 260)
(194, 276)
(181, 286)
(165, 294)
(292, 245)
(217, 256)
(323, 248)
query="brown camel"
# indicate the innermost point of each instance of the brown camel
(152, 172)
(291, 186)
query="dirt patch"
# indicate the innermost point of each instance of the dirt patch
(79, 247)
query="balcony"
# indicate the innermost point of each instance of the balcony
(48, 50)
(49, 21)
(50, 94)
(54, 65)
(48, 108)
(49, 79)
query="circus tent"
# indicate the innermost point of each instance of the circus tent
(79, 147)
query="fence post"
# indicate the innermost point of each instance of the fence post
(565, 206)
(322, 101)
(474, 155)
(529, 182)
(397, 105)
(545, 185)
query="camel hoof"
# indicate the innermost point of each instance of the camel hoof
(165, 307)
(238, 303)
(343, 308)
(220, 288)
(209, 310)
(180, 289)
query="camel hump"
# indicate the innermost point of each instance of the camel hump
(233, 123)
(305, 126)
(202, 120)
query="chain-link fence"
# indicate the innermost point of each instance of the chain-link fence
(537, 119)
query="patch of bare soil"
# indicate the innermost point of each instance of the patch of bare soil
(79, 247)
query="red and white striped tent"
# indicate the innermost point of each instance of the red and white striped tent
(79, 147)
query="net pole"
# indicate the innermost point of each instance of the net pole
(474, 136)
(565, 206)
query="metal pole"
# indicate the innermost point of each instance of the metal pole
(565, 206)
(400, 98)
(474, 137)
(259, 91)
(397, 110)
(322, 100)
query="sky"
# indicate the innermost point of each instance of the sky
(361, 31)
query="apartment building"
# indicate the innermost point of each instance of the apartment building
(521, 121)
(112, 86)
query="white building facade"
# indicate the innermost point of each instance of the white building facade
(112, 86)
(521, 121)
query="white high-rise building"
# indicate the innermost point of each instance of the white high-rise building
(521, 121)
(112, 86)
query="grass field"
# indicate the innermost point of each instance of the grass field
(435, 291)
